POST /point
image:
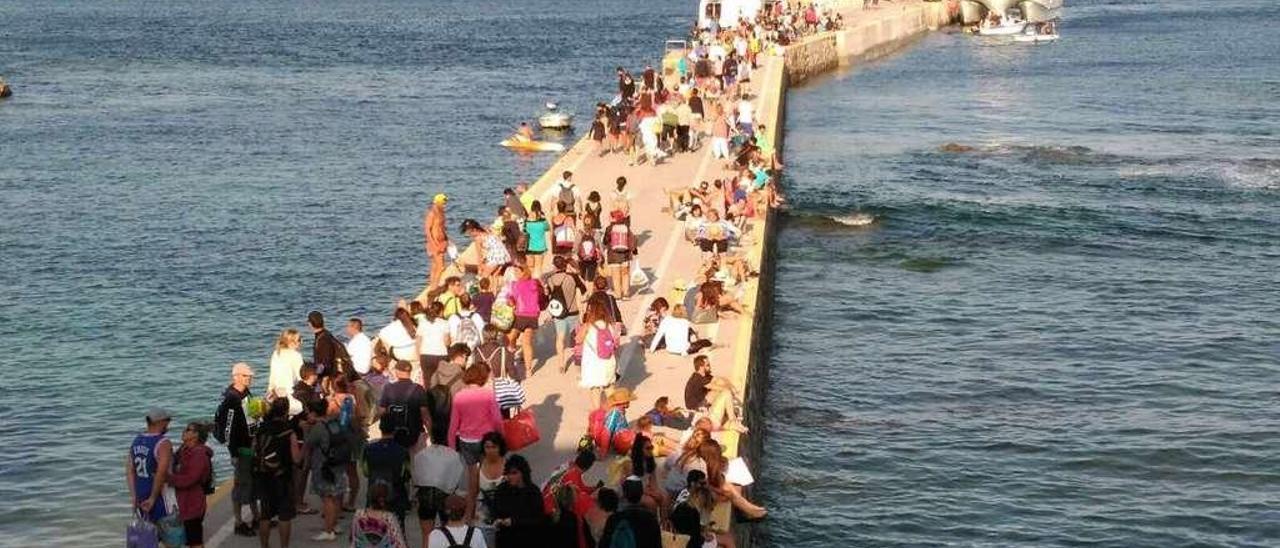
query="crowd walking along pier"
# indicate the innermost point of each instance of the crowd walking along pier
(670, 264)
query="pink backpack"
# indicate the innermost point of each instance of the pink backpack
(606, 344)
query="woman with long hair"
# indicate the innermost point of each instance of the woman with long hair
(400, 335)
(433, 340)
(537, 237)
(526, 299)
(518, 511)
(599, 347)
(286, 364)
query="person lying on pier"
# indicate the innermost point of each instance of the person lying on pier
(713, 300)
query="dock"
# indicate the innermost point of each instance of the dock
(740, 348)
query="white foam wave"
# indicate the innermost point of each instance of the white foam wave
(855, 219)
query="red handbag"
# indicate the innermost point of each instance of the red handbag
(520, 431)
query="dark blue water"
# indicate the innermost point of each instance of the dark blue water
(182, 180)
(1060, 331)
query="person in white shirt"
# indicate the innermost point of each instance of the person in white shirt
(286, 363)
(438, 473)
(466, 314)
(745, 118)
(456, 532)
(359, 346)
(676, 334)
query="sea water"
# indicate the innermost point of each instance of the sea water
(1061, 327)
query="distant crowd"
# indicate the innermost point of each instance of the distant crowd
(429, 414)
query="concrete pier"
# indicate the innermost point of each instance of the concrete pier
(741, 343)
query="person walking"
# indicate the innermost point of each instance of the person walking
(565, 290)
(537, 232)
(232, 429)
(147, 467)
(621, 247)
(599, 345)
(526, 296)
(474, 413)
(433, 227)
(192, 479)
(404, 405)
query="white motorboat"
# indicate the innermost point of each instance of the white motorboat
(1038, 32)
(1006, 27)
(553, 118)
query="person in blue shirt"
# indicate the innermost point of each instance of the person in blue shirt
(147, 466)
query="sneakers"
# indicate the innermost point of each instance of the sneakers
(325, 536)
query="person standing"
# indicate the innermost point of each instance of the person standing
(537, 231)
(283, 371)
(276, 454)
(147, 467)
(329, 355)
(438, 472)
(404, 404)
(232, 429)
(474, 413)
(433, 227)
(385, 461)
(526, 296)
(329, 451)
(455, 532)
(517, 508)
(359, 346)
(192, 478)
(512, 201)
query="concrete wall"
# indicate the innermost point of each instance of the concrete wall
(865, 38)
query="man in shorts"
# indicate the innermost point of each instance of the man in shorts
(438, 471)
(274, 461)
(572, 288)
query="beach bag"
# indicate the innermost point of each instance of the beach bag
(141, 534)
(638, 276)
(503, 316)
(520, 431)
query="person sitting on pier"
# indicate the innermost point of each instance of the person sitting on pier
(714, 234)
(676, 335)
(712, 397)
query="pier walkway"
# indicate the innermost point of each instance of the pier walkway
(561, 407)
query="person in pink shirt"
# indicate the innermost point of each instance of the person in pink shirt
(526, 297)
(474, 414)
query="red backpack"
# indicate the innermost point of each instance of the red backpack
(606, 344)
(595, 428)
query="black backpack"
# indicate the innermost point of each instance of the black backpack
(271, 452)
(337, 452)
(399, 414)
(557, 304)
(453, 543)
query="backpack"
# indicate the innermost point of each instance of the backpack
(566, 196)
(399, 415)
(346, 412)
(606, 345)
(619, 238)
(557, 304)
(220, 422)
(588, 252)
(337, 451)
(271, 451)
(453, 543)
(467, 331)
(210, 482)
(565, 235)
(623, 536)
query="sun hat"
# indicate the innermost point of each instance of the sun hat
(620, 396)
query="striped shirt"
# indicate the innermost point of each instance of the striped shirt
(509, 393)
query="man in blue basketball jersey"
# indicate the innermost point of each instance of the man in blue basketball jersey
(147, 466)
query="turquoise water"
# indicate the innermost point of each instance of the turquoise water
(182, 181)
(1060, 331)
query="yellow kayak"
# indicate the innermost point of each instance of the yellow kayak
(532, 146)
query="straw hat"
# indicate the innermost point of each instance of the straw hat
(620, 396)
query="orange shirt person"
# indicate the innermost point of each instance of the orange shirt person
(437, 237)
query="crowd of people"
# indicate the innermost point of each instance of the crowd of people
(428, 414)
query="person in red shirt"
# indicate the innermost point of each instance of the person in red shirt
(190, 479)
(571, 476)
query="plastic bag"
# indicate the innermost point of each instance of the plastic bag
(141, 534)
